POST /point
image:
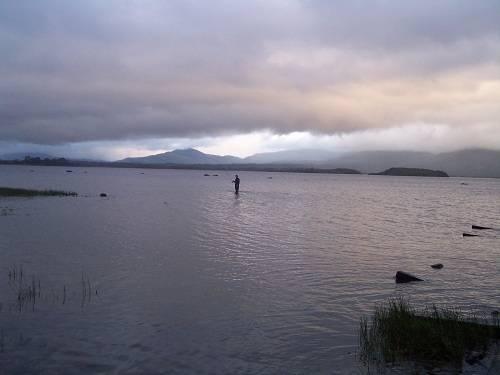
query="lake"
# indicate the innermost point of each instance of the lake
(173, 273)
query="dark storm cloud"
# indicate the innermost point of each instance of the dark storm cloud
(102, 70)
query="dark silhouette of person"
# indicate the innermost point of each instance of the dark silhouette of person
(236, 183)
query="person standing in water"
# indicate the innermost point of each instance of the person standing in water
(236, 183)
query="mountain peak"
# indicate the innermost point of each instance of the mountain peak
(187, 151)
(183, 156)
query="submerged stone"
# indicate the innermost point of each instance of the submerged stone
(403, 277)
(103, 195)
(437, 266)
(469, 235)
(478, 227)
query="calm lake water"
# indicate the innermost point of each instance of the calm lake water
(180, 276)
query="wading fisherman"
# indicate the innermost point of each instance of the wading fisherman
(236, 183)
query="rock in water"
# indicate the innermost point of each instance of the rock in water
(478, 227)
(469, 235)
(437, 266)
(403, 277)
(103, 195)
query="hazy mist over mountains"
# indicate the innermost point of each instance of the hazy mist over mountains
(467, 163)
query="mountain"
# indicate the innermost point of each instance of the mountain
(192, 156)
(376, 161)
(292, 156)
(186, 156)
(471, 163)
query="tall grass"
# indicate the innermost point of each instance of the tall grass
(28, 292)
(17, 192)
(398, 332)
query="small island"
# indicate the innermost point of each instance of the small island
(420, 172)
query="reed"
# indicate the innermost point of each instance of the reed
(399, 332)
(18, 192)
(28, 292)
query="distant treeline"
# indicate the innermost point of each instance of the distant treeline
(221, 167)
(412, 172)
(28, 160)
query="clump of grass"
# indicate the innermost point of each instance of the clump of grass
(17, 192)
(398, 332)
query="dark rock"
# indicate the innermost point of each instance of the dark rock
(206, 175)
(473, 358)
(215, 175)
(103, 195)
(437, 266)
(478, 227)
(403, 277)
(69, 171)
(469, 235)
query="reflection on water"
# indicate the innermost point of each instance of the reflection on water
(192, 278)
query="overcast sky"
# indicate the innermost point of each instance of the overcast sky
(115, 78)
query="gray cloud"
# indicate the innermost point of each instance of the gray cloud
(104, 70)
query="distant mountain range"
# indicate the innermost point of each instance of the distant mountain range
(467, 163)
(192, 156)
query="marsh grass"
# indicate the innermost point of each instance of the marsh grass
(28, 291)
(398, 332)
(17, 192)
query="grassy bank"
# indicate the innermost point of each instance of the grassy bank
(398, 332)
(16, 192)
